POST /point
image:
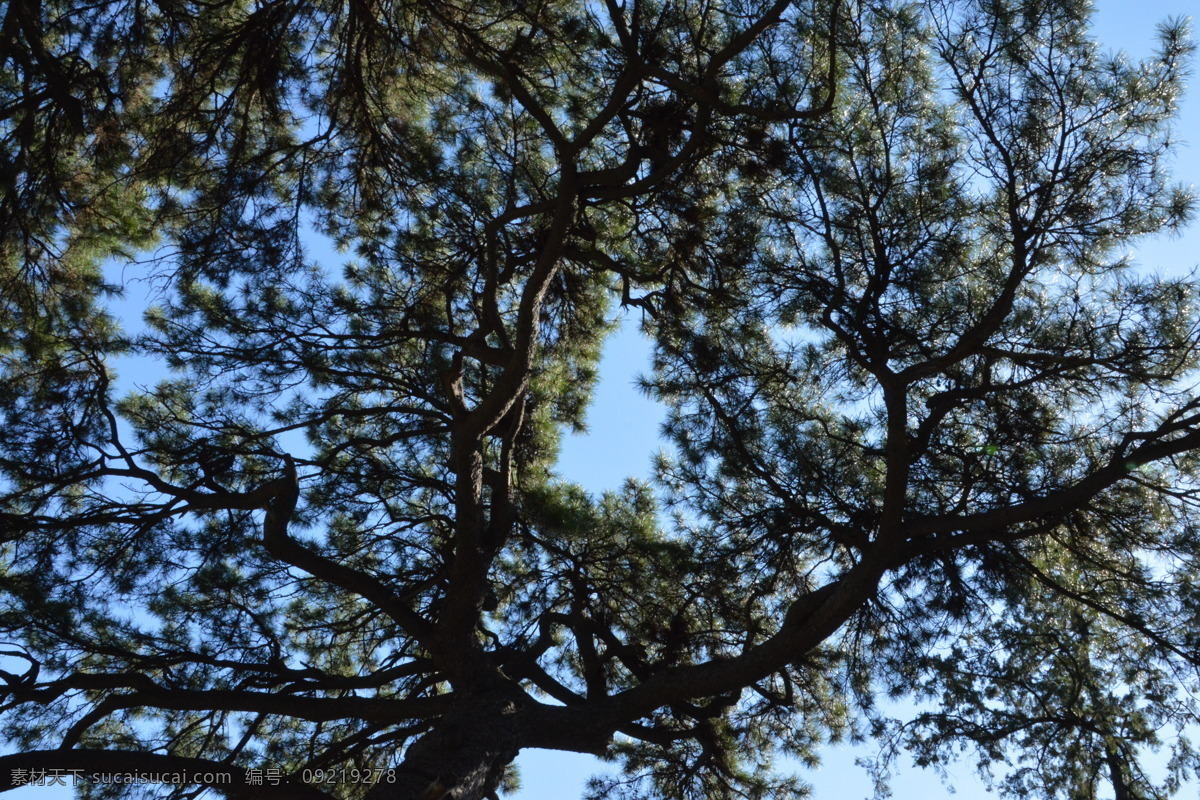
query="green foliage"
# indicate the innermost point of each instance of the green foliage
(929, 434)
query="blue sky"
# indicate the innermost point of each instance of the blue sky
(623, 435)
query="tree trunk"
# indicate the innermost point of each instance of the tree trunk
(462, 758)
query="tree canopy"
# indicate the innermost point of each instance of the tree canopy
(929, 434)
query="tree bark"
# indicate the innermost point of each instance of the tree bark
(462, 758)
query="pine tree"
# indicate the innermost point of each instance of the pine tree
(929, 434)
